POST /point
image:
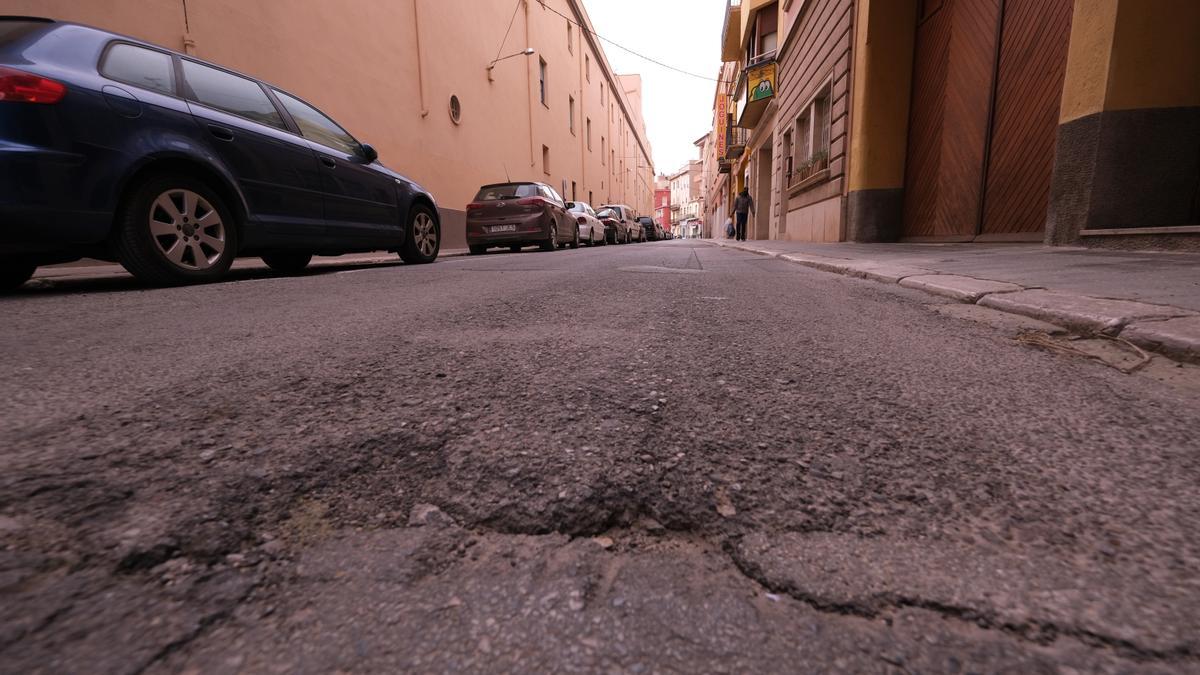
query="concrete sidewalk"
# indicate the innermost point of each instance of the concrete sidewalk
(1149, 298)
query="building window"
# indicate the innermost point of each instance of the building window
(811, 149)
(601, 94)
(570, 38)
(546, 160)
(542, 80)
(788, 157)
(571, 113)
(587, 68)
(455, 109)
(603, 151)
(572, 190)
(588, 130)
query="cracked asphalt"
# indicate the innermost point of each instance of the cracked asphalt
(658, 458)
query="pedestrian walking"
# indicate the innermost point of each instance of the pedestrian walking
(743, 206)
(729, 229)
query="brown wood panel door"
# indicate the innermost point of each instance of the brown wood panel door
(1029, 82)
(948, 126)
(924, 159)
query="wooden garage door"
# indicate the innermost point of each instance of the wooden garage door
(952, 75)
(983, 119)
(1029, 82)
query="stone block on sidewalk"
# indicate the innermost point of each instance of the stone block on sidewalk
(887, 273)
(1177, 338)
(1079, 312)
(863, 269)
(965, 289)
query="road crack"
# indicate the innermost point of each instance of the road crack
(884, 605)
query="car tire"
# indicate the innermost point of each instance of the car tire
(551, 242)
(422, 236)
(287, 262)
(575, 240)
(515, 248)
(477, 249)
(158, 235)
(14, 273)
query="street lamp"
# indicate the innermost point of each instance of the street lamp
(528, 52)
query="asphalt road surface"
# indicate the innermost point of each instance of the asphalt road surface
(664, 457)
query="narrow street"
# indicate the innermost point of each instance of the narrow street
(667, 457)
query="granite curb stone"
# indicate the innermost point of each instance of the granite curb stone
(965, 289)
(1178, 338)
(1079, 312)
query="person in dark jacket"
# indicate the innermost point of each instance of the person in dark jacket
(743, 206)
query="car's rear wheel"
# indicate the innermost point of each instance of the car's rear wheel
(287, 262)
(422, 237)
(477, 249)
(13, 273)
(575, 240)
(175, 229)
(551, 242)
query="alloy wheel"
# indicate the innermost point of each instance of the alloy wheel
(425, 234)
(187, 230)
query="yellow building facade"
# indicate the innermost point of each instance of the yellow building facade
(1055, 121)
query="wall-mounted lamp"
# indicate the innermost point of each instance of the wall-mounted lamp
(528, 52)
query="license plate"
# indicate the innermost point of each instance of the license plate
(503, 228)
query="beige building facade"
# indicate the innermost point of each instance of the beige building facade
(412, 78)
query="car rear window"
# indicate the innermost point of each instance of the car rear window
(233, 94)
(607, 213)
(497, 192)
(140, 67)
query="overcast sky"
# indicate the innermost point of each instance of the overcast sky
(682, 33)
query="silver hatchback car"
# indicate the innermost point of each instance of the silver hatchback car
(591, 230)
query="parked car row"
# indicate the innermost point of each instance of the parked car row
(518, 214)
(118, 149)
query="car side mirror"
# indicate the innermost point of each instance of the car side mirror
(369, 153)
(570, 205)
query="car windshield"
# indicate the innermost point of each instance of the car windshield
(578, 207)
(606, 213)
(497, 192)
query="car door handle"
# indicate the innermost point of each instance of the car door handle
(221, 132)
(329, 162)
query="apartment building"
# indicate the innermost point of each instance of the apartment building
(1056, 121)
(442, 88)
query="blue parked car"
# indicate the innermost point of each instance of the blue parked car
(117, 149)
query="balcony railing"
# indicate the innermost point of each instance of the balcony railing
(738, 139)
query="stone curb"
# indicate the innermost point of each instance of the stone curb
(1172, 331)
(1177, 338)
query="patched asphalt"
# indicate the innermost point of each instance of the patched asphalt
(646, 458)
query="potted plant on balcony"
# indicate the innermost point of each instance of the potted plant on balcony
(803, 171)
(819, 161)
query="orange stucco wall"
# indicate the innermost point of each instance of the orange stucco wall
(360, 63)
